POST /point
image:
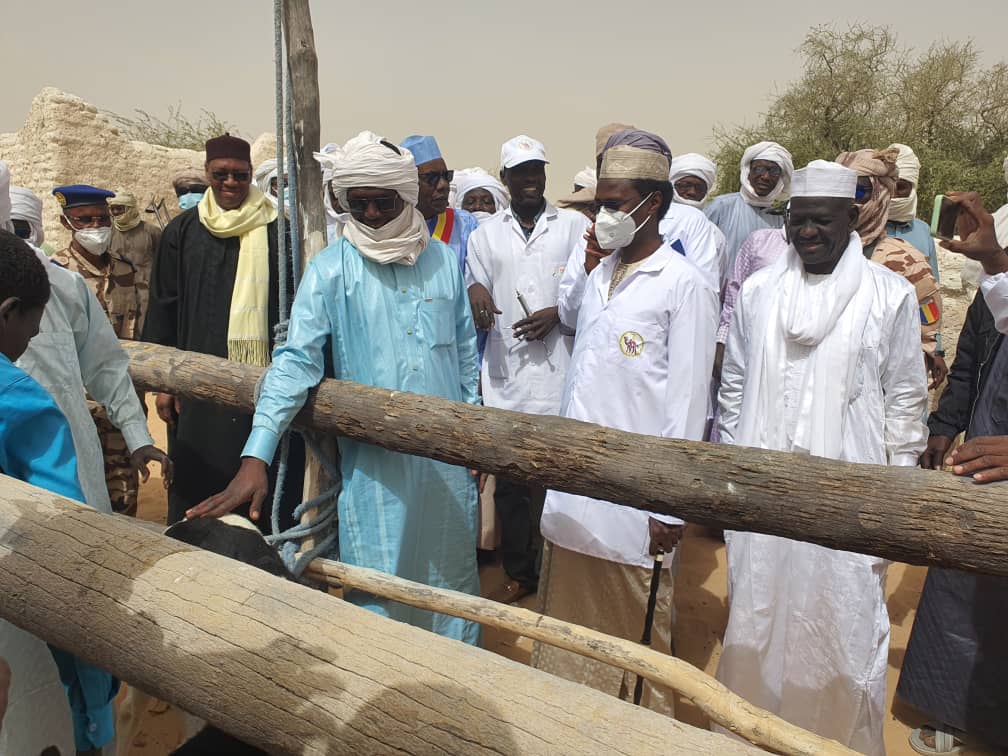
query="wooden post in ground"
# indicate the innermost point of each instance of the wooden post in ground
(302, 62)
(905, 514)
(286, 668)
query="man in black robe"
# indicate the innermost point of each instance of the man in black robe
(956, 660)
(209, 258)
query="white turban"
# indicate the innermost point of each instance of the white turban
(335, 219)
(1005, 167)
(365, 161)
(775, 154)
(5, 199)
(904, 209)
(586, 178)
(692, 164)
(468, 179)
(25, 206)
(264, 172)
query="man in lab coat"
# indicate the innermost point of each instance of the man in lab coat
(823, 358)
(522, 251)
(645, 322)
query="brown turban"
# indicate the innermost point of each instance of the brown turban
(880, 167)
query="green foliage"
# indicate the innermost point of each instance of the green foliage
(177, 130)
(860, 89)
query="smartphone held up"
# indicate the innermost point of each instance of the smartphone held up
(944, 218)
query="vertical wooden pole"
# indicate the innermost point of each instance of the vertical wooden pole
(302, 62)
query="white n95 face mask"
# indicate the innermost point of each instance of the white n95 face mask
(615, 229)
(94, 240)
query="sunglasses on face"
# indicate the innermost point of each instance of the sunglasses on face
(382, 204)
(773, 171)
(240, 176)
(89, 220)
(432, 178)
(862, 192)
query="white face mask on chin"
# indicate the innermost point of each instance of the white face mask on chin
(94, 240)
(615, 229)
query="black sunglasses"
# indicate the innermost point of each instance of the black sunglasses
(382, 204)
(431, 178)
(239, 176)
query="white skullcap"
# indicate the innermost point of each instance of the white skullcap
(907, 163)
(1004, 166)
(823, 178)
(692, 164)
(25, 206)
(586, 178)
(5, 200)
(775, 154)
(468, 179)
(365, 161)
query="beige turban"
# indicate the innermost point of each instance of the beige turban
(626, 162)
(603, 134)
(129, 219)
(880, 167)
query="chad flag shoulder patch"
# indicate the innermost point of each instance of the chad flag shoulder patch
(929, 312)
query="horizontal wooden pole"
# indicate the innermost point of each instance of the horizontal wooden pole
(904, 514)
(714, 699)
(286, 668)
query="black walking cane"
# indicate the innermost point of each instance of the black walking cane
(649, 618)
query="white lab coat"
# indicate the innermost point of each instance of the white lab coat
(641, 363)
(524, 375)
(75, 349)
(702, 241)
(808, 631)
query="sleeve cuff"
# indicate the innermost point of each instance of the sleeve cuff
(136, 435)
(262, 444)
(904, 459)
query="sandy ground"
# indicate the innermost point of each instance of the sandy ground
(702, 614)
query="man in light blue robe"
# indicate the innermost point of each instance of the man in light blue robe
(390, 303)
(765, 176)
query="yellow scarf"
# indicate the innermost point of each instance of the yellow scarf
(248, 322)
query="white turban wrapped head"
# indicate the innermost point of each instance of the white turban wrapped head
(774, 153)
(692, 164)
(367, 160)
(25, 206)
(468, 179)
(265, 172)
(904, 209)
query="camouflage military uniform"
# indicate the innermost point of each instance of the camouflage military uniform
(114, 283)
(904, 258)
(137, 246)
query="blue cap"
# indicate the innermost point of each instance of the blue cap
(76, 195)
(424, 148)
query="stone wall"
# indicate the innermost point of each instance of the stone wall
(65, 140)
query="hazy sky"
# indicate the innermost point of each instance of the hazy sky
(472, 72)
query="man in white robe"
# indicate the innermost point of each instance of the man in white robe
(823, 358)
(645, 320)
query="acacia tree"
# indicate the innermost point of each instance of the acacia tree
(177, 130)
(860, 88)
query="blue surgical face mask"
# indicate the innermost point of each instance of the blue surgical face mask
(189, 200)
